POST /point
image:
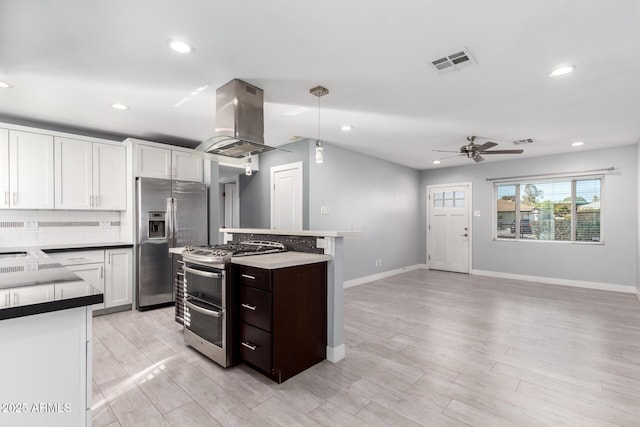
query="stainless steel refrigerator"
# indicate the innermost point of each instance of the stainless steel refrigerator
(169, 214)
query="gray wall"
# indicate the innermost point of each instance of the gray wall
(255, 202)
(638, 221)
(370, 195)
(211, 178)
(614, 262)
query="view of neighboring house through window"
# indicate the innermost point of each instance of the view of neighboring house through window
(566, 209)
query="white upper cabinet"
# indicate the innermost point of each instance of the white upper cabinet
(186, 167)
(158, 162)
(109, 177)
(73, 174)
(4, 169)
(153, 162)
(30, 170)
(89, 175)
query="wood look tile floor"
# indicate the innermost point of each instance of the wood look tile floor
(423, 348)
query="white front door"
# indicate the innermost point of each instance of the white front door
(286, 197)
(448, 231)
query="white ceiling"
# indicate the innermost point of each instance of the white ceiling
(69, 60)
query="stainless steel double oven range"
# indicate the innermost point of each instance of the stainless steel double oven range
(209, 299)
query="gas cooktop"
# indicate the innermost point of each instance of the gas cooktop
(219, 254)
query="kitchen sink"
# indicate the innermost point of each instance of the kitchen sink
(19, 254)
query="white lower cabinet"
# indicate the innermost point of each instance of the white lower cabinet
(93, 274)
(118, 286)
(46, 369)
(110, 271)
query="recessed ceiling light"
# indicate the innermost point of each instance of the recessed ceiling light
(5, 85)
(180, 46)
(562, 71)
(119, 106)
(577, 144)
(436, 162)
(346, 128)
(295, 111)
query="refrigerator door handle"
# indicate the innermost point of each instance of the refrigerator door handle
(169, 224)
(174, 223)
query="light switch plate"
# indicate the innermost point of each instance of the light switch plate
(325, 210)
(476, 213)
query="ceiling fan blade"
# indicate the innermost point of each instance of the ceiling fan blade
(477, 158)
(486, 145)
(445, 151)
(503, 152)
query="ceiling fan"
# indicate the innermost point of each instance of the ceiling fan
(475, 152)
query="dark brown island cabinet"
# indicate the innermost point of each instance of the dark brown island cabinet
(283, 318)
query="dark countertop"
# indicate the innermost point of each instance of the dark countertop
(84, 247)
(31, 283)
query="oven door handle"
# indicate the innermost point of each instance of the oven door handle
(202, 273)
(202, 310)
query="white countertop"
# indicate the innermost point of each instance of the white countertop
(176, 250)
(279, 260)
(317, 233)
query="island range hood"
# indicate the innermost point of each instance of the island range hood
(239, 122)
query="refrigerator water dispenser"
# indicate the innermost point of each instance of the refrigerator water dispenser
(157, 225)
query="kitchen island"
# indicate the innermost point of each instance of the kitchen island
(45, 341)
(327, 242)
(283, 311)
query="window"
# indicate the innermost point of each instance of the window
(448, 199)
(566, 209)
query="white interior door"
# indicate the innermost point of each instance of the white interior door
(448, 228)
(231, 206)
(286, 197)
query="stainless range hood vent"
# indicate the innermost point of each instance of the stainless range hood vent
(239, 122)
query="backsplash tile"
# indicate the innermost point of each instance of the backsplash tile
(305, 244)
(42, 227)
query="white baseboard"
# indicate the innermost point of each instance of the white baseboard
(366, 279)
(562, 282)
(336, 354)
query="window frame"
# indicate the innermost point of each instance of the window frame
(572, 179)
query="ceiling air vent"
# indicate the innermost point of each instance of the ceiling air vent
(454, 61)
(523, 141)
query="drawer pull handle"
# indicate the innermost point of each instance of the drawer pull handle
(250, 307)
(246, 276)
(76, 258)
(249, 346)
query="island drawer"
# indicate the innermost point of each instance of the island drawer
(255, 347)
(255, 277)
(255, 307)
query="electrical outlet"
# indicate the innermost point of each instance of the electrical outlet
(31, 225)
(325, 210)
(378, 263)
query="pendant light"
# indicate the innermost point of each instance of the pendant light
(319, 91)
(248, 170)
